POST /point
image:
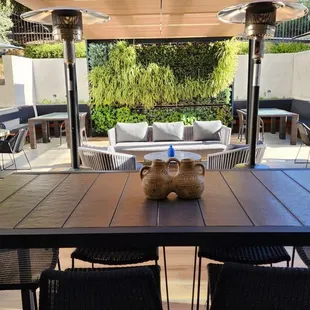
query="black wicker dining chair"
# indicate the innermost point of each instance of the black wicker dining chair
(252, 255)
(14, 145)
(121, 256)
(246, 287)
(132, 288)
(20, 269)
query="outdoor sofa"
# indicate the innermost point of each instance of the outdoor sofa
(140, 139)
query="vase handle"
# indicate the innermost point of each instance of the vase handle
(142, 170)
(202, 167)
(176, 160)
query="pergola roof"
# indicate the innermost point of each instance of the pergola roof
(151, 18)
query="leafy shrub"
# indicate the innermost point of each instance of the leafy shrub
(106, 117)
(98, 54)
(6, 23)
(124, 80)
(193, 61)
(52, 50)
(189, 60)
(289, 47)
(243, 48)
(121, 80)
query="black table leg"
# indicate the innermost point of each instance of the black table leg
(56, 130)
(282, 132)
(45, 132)
(273, 125)
(28, 302)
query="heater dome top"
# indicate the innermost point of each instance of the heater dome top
(285, 11)
(44, 16)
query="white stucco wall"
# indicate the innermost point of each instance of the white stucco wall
(49, 79)
(18, 88)
(301, 76)
(276, 76)
(23, 80)
(29, 81)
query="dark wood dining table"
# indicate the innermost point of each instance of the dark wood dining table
(91, 209)
(274, 113)
(44, 120)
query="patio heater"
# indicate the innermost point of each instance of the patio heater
(260, 19)
(67, 26)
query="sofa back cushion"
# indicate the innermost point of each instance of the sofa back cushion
(168, 131)
(131, 132)
(207, 130)
(11, 124)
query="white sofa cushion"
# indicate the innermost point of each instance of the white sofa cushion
(207, 130)
(131, 132)
(168, 131)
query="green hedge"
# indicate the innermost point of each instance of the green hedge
(106, 117)
(54, 50)
(277, 48)
(292, 47)
(189, 60)
(98, 54)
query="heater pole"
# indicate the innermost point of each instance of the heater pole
(250, 85)
(254, 103)
(72, 101)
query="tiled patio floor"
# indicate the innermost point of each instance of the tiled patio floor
(279, 154)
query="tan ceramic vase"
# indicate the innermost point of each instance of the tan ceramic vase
(189, 182)
(156, 181)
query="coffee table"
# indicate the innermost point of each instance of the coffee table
(178, 155)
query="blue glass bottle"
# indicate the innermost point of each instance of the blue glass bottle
(171, 151)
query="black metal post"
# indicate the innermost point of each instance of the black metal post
(249, 89)
(23, 256)
(231, 99)
(72, 101)
(254, 102)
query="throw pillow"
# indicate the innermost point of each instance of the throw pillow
(207, 130)
(168, 131)
(131, 132)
